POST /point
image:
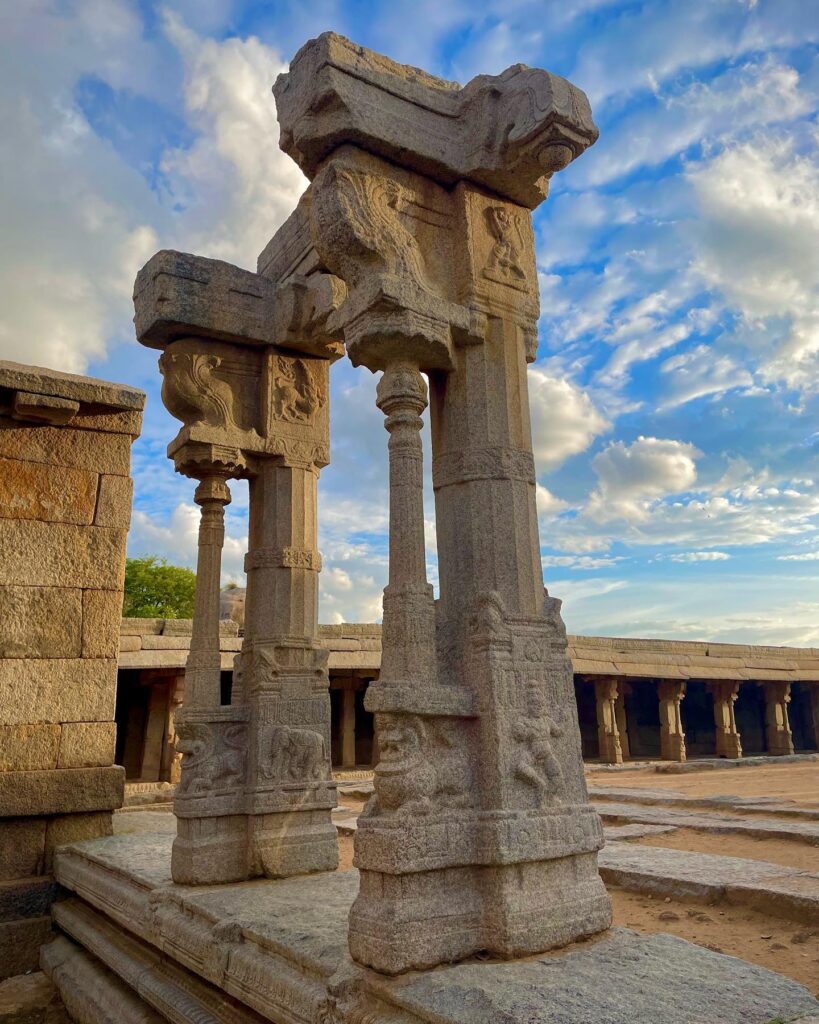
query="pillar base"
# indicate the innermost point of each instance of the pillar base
(292, 843)
(210, 851)
(729, 745)
(413, 922)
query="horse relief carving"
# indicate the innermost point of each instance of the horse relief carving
(296, 755)
(190, 390)
(213, 759)
(296, 395)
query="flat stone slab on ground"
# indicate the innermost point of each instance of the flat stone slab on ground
(745, 804)
(785, 892)
(293, 932)
(613, 812)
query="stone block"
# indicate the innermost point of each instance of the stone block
(116, 495)
(33, 490)
(104, 421)
(27, 897)
(158, 659)
(20, 943)
(40, 622)
(64, 446)
(28, 747)
(61, 554)
(43, 381)
(166, 643)
(74, 828)
(67, 791)
(65, 690)
(101, 613)
(140, 627)
(22, 851)
(87, 744)
(30, 999)
(129, 644)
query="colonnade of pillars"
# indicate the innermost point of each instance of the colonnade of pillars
(612, 728)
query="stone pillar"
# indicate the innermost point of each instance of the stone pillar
(622, 718)
(65, 506)
(155, 726)
(348, 759)
(672, 735)
(245, 360)
(777, 724)
(480, 815)
(171, 767)
(728, 741)
(608, 733)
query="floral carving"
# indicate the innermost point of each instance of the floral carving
(190, 390)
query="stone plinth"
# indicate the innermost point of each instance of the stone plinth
(65, 505)
(277, 950)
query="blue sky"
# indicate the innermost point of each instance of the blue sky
(674, 398)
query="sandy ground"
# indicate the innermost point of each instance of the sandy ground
(775, 851)
(797, 782)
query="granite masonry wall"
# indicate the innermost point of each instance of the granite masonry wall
(65, 505)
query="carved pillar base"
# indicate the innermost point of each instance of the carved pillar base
(211, 831)
(672, 735)
(777, 722)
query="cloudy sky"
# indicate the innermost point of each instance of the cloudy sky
(675, 396)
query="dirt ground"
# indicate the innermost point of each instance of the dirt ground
(797, 782)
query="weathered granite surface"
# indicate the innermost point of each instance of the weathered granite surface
(757, 826)
(279, 948)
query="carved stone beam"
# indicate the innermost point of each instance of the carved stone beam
(508, 133)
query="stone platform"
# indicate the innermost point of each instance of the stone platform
(136, 947)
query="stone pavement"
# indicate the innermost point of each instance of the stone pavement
(758, 827)
(745, 805)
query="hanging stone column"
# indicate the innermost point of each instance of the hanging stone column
(728, 741)
(672, 735)
(420, 202)
(777, 722)
(348, 758)
(245, 364)
(608, 733)
(623, 688)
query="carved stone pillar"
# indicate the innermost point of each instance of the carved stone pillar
(480, 816)
(728, 741)
(348, 758)
(245, 362)
(777, 723)
(672, 735)
(622, 718)
(608, 734)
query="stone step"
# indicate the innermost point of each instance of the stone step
(279, 948)
(761, 828)
(711, 878)
(671, 797)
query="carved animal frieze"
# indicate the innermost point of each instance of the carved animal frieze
(213, 757)
(296, 393)
(191, 391)
(296, 755)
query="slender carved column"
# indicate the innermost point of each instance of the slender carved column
(608, 734)
(728, 741)
(672, 734)
(777, 723)
(202, 672)
(622, 718)
(348, 728)
(409, 610)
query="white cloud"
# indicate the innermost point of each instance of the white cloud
(804, 556)
(176, 538)
(631, 477)
(564, 419)
(698, 372)
(698, 556)
(760, 220)
(578, 561)
(548, 504)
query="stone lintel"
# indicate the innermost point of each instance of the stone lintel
(508, 132)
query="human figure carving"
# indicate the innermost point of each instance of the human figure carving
(536, 763)
(505, 255)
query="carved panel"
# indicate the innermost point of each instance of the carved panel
(213, 757)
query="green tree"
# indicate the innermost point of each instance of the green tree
(154, 589)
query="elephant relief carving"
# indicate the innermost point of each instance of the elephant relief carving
(190, 390)
(213, 759)
(296, 755)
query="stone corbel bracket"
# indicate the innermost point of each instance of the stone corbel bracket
(508, 133)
